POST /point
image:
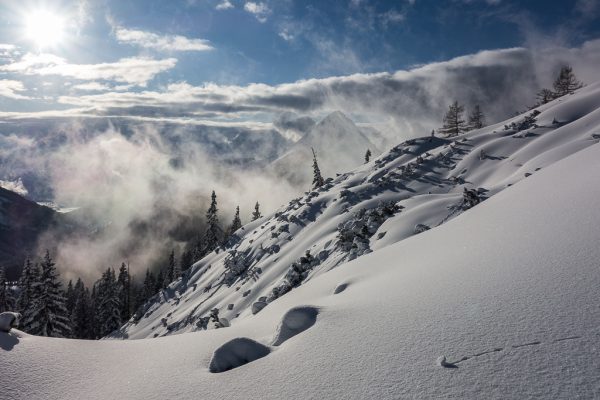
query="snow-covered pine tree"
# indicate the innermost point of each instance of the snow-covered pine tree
(81, 316)
(70, 297)
(4, 305)
(186, 260)
(318, 180)
(160, 281)
(176, 267)
(95, 315)
(28, 285)
(212, 237)
(476, 118)
(454, 124)
(149, 288)
(124, 287)
(545, 96)
(109, 305)
(170, 274)
(236, 223)
(566, 82)
(367, 156)
(49, 315)
(256, 214)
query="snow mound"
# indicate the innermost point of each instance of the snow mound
(340, 288)
(235, 353)
(295, 321)
(9, 320)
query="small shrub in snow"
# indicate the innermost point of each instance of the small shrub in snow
(470, 198)
(420, 228)
(236, 264)
(354, 234)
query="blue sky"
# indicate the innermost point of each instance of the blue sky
(115, 49)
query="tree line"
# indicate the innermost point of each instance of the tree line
(454, 122)
(82, 312)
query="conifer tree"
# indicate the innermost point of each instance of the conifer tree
(545, 96)
(95, 309)
(27, 285)
(176, 267)
(81, 314)
(367, 156)
(454, 124)
(70, 297)
(212, 237)
(149, 288)
(317, 177)
(186, 260)
(256, 214)
(566, 82)
(236, 223)
(160, 281)
(49, 315)
(124, 287)
(108, 303)
(4, 306)
(476, 119)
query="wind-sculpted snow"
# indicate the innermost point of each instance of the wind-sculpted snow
(295, 321)
(236, 353)
(418, 185)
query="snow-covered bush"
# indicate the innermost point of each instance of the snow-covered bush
(420, 228)
(470, 198)
(354, 235)
(236, 264)
(526, 123)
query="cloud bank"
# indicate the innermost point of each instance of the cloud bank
(152, 40)
(404, 103)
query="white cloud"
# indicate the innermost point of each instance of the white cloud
(134, 70)
(392, 17)
(286, 35)
(260, 10)
(224, 5)
(160, 42)
(410, 102)
(10, 88)
(92, 87)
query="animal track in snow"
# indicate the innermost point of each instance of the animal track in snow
(443, 362)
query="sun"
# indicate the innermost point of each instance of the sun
(44, 28)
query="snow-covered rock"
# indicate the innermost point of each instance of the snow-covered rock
(9, 320)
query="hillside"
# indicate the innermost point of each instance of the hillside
(22, 222)
(413, 187)
(507, 292)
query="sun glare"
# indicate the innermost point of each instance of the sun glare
(44, 28)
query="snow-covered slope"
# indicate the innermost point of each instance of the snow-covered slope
(508, 293)
(340, 146)
(416, 185)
